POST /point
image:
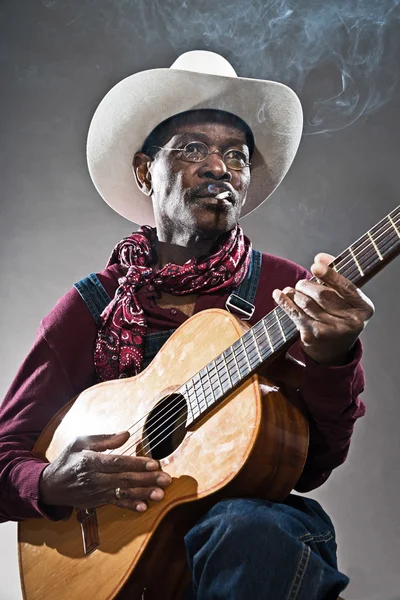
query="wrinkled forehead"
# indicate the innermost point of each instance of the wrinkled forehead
(208, 132)
(206, 121)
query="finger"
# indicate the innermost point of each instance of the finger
(343, 286)
(319, 301)
(324, 258)
(138, 506)
(119, 463)
(134, 495)
(99, 443)
(291, 309)
(313, 306)
(132, 480)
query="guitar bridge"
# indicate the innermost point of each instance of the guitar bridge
(87, 517)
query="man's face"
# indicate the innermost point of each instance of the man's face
(183, 202)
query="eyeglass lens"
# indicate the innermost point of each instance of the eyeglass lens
(198, 151)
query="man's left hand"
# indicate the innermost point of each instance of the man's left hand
(329, 317)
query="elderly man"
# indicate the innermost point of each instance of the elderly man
(208, 148)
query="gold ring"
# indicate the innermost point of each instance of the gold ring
(118, 493)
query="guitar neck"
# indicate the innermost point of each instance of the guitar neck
(276, 331)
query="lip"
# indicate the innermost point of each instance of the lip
(217, 190)
(216, 203)
(216, 200)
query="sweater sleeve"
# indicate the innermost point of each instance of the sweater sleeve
(331, 394)
(58, 367)
(39, 390)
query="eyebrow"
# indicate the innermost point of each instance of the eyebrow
(192, 136)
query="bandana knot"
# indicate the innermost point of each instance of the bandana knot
(120, 341)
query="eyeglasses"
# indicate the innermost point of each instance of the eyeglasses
(196, 152)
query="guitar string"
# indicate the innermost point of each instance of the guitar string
(275, 327)
(182, 398)
(178, 425)
(145, 448)
(182, 402)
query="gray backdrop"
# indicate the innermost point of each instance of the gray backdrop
(58, 59)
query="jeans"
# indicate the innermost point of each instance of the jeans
(248, 549)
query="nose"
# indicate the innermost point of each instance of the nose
(214, 167)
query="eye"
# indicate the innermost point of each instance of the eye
(236, 159)
(195, 151)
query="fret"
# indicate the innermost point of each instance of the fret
(252, 355)
(273, 330)
(356, 261)
(267, 334)
(196, 410)
(393, 239)
(226, 366)
(262, 340)
(186, 394)
(385, 237)
(241, 359)
(256, 344)
(218, 377)
(245, 354)
(234, 373)
(374, 245)
(199, 392)
(342, 258)
(203, 380)
(225, 384)
(195, 400)
(394, 225)
(210, 384)
(278, 318)
(289, 327)
(235, 360)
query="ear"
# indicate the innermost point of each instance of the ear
(141, 171)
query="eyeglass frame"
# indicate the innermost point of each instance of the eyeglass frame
(248, 164)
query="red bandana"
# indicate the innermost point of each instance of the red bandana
(120, 340)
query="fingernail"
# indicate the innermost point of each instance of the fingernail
(164, 479)
(275, 295)
(157, 495)
(141, 507)
(151, 465)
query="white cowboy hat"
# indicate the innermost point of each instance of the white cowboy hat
(196, 80)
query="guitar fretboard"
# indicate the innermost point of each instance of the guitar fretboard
(276, 331)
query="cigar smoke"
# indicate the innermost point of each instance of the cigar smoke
(340, 56)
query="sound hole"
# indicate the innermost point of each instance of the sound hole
(165, 427)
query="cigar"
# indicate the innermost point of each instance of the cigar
(223, 196)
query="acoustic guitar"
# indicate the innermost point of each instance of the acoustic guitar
(199, 409)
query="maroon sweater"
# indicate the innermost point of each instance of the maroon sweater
(60, 366)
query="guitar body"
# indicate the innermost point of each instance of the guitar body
(254, 443)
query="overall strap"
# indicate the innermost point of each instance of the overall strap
(92, 292)
(242, 299)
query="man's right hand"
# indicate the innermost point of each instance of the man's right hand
(83, 477)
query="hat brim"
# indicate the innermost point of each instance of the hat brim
(137, 104)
